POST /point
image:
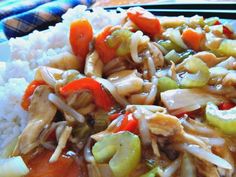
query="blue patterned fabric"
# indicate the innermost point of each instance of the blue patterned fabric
(18, 18)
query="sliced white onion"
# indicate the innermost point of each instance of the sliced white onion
(155, 147)
(200, 129)
(135, 40)
(186, 109)
(175, 36)
(144, 131)
(207, 156)
(213, 141)
(153, 92)
(112, 89)
(151, 65)
(64, 107)
(195, 140)
(87, 152)
(48, 76)
(170, 170)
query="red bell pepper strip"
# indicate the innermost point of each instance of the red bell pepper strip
(81, 34)
(29, 91)
(129, 123)
(114, 116)
(226, 31)
(226, 106)
(144, 20)
(102, 99)
(105, 52)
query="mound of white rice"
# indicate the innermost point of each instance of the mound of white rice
(38, 49)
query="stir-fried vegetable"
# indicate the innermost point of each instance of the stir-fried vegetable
(129, 123)
(121, 150)
(120, 39)
(13, 167)
(212, 21)
(65, 166)
(166, 83)
(29, 92)
(81, 34)
(169, 45)
(227, 47)
(225, 120)
(185, 98)
(187, 166)
(177, 57)
(200, 75)
(105, 52)
(144, 20)
(192, 38)
(152, 173)
(102, 99)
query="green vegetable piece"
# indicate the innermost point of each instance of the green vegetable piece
(169, 45)
(227, 48)
(225, 120)
(178, 57)
(211, 21)
(153, 173)
(198, 73)
(166, 83)
(120, 39)
(122, 150)
(13, 167)
(173, 56)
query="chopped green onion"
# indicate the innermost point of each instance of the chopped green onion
(225, 120)
(13, 167)
(166, 83)
(122, 151)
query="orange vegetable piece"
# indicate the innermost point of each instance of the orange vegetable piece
(105, 52)
(192, 38)
(63, 167)
(29, 91)
(144, 20)
(81, 34)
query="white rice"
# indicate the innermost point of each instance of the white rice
(37, 49)
(12, 117)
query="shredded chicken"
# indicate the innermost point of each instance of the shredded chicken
(61, 144)
(172, 71)
(65, 61)
(93, 65)
(164, 124)
(126, 82)
(229, 63)
(157, 55)
(38, 120)
(230, 79)
(209, 58)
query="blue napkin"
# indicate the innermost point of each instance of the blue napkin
(18, 18)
